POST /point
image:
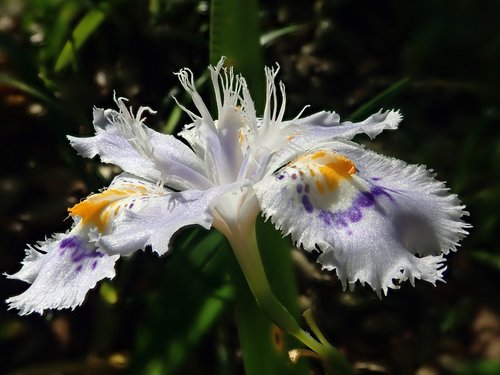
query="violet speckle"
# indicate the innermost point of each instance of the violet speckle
(306, 202)
(378, 190)
(80, 254)
(299, 188)
(69, 242)
(281, 177)
(79, 251)
(294, 176)
(354, 213)
(366, 199)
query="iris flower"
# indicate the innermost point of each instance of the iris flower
(371, 218)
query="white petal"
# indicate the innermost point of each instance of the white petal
(323, 127)
(105, 210)
(217, 142)
(369, 215)
(61, 272)
(327, 125)
(158, 220)
(125, 141)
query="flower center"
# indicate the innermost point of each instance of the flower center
(327, 168)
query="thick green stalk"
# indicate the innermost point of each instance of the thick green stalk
(244, 243)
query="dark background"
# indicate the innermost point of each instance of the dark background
(440, 61)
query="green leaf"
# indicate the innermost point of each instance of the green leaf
(487, 258)
(30, 89)
(480, 367)
(85, 28)
(371, 105)
(234, 33)
(60, 29)
(182, 312)
(268, 38)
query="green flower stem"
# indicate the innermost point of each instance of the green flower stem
(243, 240)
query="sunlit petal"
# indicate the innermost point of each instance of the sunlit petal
(61, 272)
(375, 219)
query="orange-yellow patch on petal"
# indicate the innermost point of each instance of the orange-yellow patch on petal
(94, 210)
(317, 155)
(333, 173)
(241, 137)
(327, 168)
(319, 187)
(91, 211)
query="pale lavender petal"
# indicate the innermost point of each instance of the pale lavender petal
(61, 272)
(375, 219)
(160, 218)
(327, 126)
(321, 128)
(125, 141)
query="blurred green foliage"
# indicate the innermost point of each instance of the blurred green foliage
(437, 61)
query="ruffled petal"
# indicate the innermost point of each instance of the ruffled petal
(61, 271)
(124, 140)
(102, 212)
(160, 218)
(375, 219)
(302, 135)
(327, 126)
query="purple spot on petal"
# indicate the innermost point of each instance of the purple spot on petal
(354, 214)
(366, 199)
(79, 250)
(299, 188)
(281, 177)
(131, 205)
(378, 190)
(69, 242)
(376, 178)
(294, 176)
(94, 264)
(339, 220)
(325, 216)
(306, 202)
(79, 268)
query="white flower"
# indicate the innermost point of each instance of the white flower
(373, 219)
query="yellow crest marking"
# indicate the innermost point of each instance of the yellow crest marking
(94, 210)
(327, 168)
